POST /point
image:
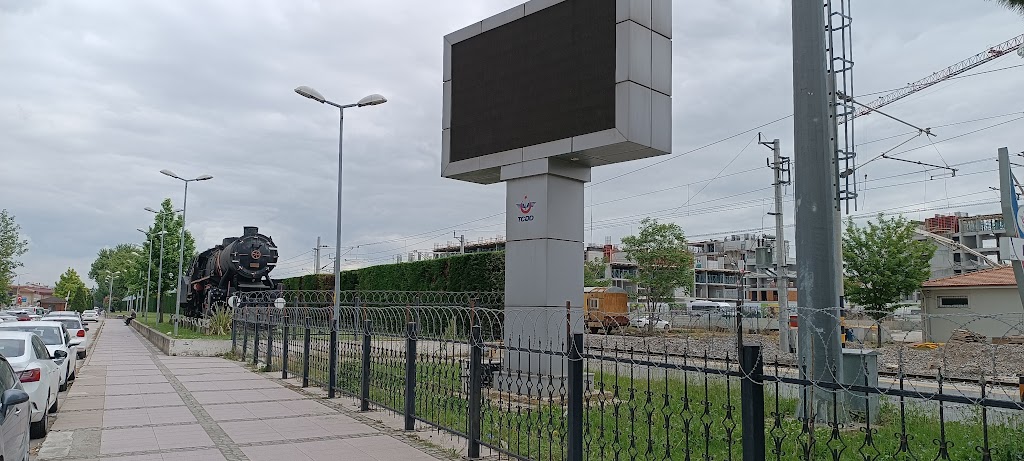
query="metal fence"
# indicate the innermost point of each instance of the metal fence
(526, 384)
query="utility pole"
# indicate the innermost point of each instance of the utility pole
(815, 193)
(781, 166)
(316, 257)
(462, 242)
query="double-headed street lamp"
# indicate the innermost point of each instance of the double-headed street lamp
(181, 246)
(160, 269)
(371, 100)
(110, 288)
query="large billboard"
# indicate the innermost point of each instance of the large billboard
(586, 81)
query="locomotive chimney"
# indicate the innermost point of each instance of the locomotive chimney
(250, 230)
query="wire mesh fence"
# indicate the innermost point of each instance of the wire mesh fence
(526, 383)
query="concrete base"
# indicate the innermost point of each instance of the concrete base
(183, 347)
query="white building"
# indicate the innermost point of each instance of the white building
(985, 302)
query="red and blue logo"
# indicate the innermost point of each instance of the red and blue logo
(525, 207)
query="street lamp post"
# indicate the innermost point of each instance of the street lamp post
(371, 100)
(181, 246)
(149, 271)
(110, 290)
(160, 269)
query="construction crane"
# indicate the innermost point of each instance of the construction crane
(953, 245)
(1007, 47)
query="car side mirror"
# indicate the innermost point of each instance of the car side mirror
(57, 355)
(86, 328)
(10, 398)
(75, 342)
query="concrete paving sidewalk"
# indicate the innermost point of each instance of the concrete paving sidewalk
(130, 402)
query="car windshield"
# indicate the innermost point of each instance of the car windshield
(12, 347)
(71, 324)
(50, 335)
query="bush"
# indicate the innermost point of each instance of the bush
(481, 272)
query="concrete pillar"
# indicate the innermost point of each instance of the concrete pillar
(543, 263)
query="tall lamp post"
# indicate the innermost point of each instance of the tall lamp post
(110, 289)
(181, 245)
(160, 269)
(149, 271)
(371, 100)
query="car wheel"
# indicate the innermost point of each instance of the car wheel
(38, 429)
(72, 377)
(53, 408)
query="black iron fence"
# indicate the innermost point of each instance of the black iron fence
(525, 384)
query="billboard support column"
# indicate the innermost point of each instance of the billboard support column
(1011, 214)
(543, 267)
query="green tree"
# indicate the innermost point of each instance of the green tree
(172, 222)
(72, 288)
(1016, 5)
(883, 262)
(664, 262)
(593, 273)
(119, 262)
(11, 247)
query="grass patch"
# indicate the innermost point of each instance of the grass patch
(167, 327)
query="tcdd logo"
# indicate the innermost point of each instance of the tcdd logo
(525, 207)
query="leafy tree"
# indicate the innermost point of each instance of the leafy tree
(664, 262)
(593, 273)
(11, 247)
(1016, 5)
(172, 222)
(122, 260)
(883, 262)
(71, 287)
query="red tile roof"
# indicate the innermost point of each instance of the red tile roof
(999, 276)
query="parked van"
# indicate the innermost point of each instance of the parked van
(700, 307)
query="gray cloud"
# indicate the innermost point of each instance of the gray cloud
(97, 96)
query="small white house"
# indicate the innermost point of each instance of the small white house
(985, 302)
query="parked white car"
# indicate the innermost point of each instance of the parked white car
(56, 338)
(645, 322)
(14, 405)
(37, 371)
(76, 329)
(90, 316)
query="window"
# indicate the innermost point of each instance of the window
(12, 347)
(6, 375)
(957, 302)
(41, 351)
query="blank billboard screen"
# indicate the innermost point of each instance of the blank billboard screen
(547, 76)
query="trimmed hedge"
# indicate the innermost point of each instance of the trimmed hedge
(477, 272)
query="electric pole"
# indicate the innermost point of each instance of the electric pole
(781, 166)
(815, 193)
(462, 242)
(316, 256)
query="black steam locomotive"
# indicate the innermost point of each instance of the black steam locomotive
(238, 264)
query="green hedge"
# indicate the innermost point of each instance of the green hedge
(472, 272)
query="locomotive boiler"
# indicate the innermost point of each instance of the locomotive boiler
(238, 264)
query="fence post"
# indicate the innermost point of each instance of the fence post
(475, 366)
(270, 341)
(410, 376)
(284, 346)
(575, 410)
(245, 334)
(332, 361)
(305, 354)
(256, 338)
(364, 384)
(234, 333)
(752, 403)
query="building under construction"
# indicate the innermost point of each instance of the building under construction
(974, 238)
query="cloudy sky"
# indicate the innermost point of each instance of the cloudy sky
(97, 96)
